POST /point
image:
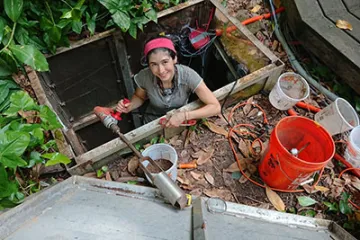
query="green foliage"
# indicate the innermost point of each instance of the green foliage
(344, 204)
(22, 142)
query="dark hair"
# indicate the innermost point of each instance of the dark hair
(171, 53)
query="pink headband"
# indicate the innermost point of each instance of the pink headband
(159, 43)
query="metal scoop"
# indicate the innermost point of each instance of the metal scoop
(162, 181)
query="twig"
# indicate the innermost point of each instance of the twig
(253, 199)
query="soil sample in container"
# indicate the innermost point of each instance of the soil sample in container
(163, 163)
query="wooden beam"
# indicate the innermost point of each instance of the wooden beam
(153, 127)
(179, 7)
(246, 32)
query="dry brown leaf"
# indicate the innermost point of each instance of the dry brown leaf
(356, 185)
(347, 178)
(344, 24)
(338, 182)
(336, 191)
(252, 168)
(209, 178)
(183, 181)
(309, 189)
(186, 187)
(108, 176)
(196, 192)
(30, 116)
(322, 189)
(195, 175)
(175, 141)
(253, 113)
(264, 205)
(147, 145)
(247, 108)
(277, 3)
(232, 168)
(90, 175)
(256, 9)
(235, 137)
(216, 129)
(133, 164)
(275, 199)
(244, 148)
(205, 157)
(220, 193)
(197, 154)
(243, 179)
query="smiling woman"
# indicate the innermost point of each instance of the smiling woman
(168, 85)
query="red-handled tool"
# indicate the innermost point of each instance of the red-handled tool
(117, 115)
(187, 123)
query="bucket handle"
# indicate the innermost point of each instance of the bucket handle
(278, 161)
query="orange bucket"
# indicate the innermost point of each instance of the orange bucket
(281, 169)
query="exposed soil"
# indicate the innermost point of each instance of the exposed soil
(163, 163)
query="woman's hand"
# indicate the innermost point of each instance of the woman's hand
(123, 107)
(176, 119)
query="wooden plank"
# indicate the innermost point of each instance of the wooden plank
(272, 79)
(153, 127)
(179, 7)
(74, 141)
(58, 135)
(353, 7)
(246, 32)
(335, 10)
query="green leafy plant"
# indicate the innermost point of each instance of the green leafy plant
(24, 145)
(306, 201)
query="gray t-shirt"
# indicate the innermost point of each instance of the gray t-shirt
(187, 82)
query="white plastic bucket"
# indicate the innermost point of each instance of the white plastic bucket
(338, 117)
(352, 152)
(162, 151)
(288, 90)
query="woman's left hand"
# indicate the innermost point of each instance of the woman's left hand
(176, 119)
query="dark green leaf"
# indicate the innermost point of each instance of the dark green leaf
(7, 57)
(13, 161)
(310, 213)
(4, 91)
(133, 30)
(94, 6)
(5, 68)
(26, 23)
(20, 101)
(55, 158)
(37, 42)
(63, 23)
(110, 23)
(151, 14)
(48, 118)
(79, 4)
(154, 140)
(77, 26)
(6, 187)
(13, 143)
(54, 34)
(46, 24)
(13, 8)
(121, 19)
(22, 35)
(306, 201)
(6, 103)
(76, 15)
(90, 21)
(2, 28)
(111, 5)
(35, 158)
(349, 225)
(344, 207)
(140, 26)
(332, 206)
(30, 55)
(67, 14)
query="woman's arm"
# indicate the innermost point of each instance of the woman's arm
(212, 107)
(137, 100)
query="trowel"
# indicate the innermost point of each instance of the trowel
(162, 181)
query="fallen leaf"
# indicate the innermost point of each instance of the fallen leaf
(344, 24)
(275, 199)
(186, 187)
(205, 157)
(217, 129)
(195, 175)
(235, 137)
(209, 178)
(264, 205)
(322, 189)
(183, 180)
(244, 149)
(247, 107)
(336, 191)
(175, 141)
(347, 178)
(306, 201)
(232, 168)
(197, 154)
(244, 177)
(90, 175)
(252, 168)
(196, 192)
(108, 177)
(356, 185)
(30, 116)
(147, 145)
(256, 9)
(220, 193)
(338, 182)
(133, 164)
(184, 156)
(309, 189)
(253, 113)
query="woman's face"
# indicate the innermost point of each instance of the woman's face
(162, 65)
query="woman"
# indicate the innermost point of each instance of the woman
(168, 85)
